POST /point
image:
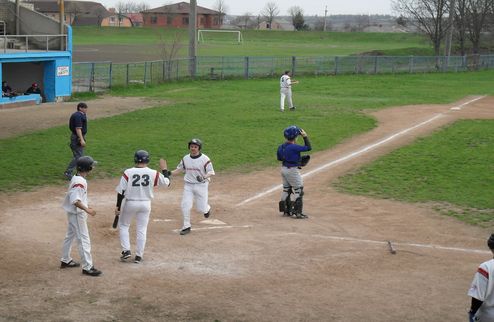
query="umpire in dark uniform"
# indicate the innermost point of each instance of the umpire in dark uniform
(78, 127)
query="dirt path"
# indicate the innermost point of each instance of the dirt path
(18, 120)
(335, 266)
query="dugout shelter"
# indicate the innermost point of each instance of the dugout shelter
(34, 48)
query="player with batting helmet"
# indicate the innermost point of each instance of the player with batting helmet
(482, 290)
(289, 154)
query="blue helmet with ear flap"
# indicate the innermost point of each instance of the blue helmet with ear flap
(291, 132)
(141, 156)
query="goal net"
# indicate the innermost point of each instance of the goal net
(219, 35)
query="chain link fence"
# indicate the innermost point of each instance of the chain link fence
(101, 76)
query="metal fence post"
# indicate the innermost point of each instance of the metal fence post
(145, 71)
(336, 59)
(294, 64)
(91, 78)
(127, 76)
(246, 67)
(375, 65)
(110, 76)
(410, 65)
(163, 71)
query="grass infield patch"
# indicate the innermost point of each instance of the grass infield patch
(453, 170)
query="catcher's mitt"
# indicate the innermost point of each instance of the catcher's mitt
(304, 160)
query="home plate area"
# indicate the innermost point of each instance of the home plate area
(210, 224)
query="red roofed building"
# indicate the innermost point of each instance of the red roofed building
(177, 16)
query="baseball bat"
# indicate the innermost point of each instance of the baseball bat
(115, 221)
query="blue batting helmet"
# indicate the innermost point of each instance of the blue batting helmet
(141, 156)
(291, 132)
(85, 163)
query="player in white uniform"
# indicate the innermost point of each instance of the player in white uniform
(198, 169)
(482, 290)
(136, 186)
(76, 206)
(286, 91)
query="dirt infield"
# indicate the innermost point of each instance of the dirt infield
(257, 266)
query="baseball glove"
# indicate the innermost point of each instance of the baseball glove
(304, 160)
(200, 178)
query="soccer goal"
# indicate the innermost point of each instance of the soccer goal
(204, 35)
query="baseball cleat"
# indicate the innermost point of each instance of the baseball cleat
(125, 255)
(69, 264)
(206, 215)
(185, 231)
(137, 259)
(67, 175)
(92, 272)
(301, 216)
(292, 108)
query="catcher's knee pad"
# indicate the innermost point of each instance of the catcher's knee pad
(299, 191)
(282, 206)
(298, 205)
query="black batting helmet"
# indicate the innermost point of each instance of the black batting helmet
(85, 164)
(141, 156)
(196, 142)
(490, 242)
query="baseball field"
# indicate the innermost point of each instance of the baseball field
(400, 160)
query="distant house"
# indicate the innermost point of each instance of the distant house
(177, 16)
(122, 20)
(276, 25)
(77, 13)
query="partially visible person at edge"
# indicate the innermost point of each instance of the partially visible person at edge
(78, 129)
(482, 290)
(7, 91)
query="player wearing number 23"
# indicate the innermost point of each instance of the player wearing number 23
(136, 186)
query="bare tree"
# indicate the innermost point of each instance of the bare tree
(269, 12)
(460, 24)
(477, 14)
(429, 16)
(297, 15)
(221, 8)
(73, 10)
(244, 21)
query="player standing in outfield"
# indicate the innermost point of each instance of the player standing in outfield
(286, 91)
(136, 186)
(76, 206)
(78, 129)
(289, 154)
(198, 169)
(482, 290)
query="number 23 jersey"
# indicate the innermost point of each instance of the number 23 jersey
(139, 183)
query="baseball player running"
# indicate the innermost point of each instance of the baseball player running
(76, 206)
(198, 169)
(289, 154)
(286, 91)
(482, 290)
(136, 186)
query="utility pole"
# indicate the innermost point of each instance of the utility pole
(62, 23)
(17, 19)
(192, 37)
(325, 14)
(449, 37)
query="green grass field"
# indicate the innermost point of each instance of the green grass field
(263, 42)
(241, 126)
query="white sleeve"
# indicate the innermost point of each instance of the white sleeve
(122, 186)
(478, 288)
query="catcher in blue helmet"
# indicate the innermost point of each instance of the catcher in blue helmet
(289, 154)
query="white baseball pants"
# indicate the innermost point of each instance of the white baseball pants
(140, 209)
(77, 229)
(291, 178)
(199, 192)
(286, 93)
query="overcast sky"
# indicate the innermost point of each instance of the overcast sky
(310, 7)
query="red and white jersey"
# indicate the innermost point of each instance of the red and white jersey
(77, 191)
(285, 81)
(138, 183)
(195, 166)
(482, 289)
